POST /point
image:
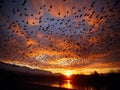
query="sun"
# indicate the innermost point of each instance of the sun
(68, 73)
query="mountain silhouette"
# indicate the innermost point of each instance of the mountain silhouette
(22, 69)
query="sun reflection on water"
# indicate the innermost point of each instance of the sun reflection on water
(65, 84)
(68, 84)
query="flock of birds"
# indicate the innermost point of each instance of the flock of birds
(88, 30)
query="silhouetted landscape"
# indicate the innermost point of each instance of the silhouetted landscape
(16, 80)
(59, 44)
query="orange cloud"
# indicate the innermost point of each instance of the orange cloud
(31, 41)
(103, 65)
(32, 21)
(16, 29)
(39, 35)
(94, 40)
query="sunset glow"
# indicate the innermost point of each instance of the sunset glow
(68, 73)
(61, 36)
(60, 44)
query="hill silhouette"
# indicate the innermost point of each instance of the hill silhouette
(14, 77)
(22, 69)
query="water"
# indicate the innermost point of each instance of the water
(66, 84)
(70, 85)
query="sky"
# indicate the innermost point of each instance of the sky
(78, 36)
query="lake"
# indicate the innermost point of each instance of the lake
(66, 84)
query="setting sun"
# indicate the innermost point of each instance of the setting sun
(68, 73)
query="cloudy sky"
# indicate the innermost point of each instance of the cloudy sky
(58, 35)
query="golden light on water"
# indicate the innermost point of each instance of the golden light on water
(68, 84)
